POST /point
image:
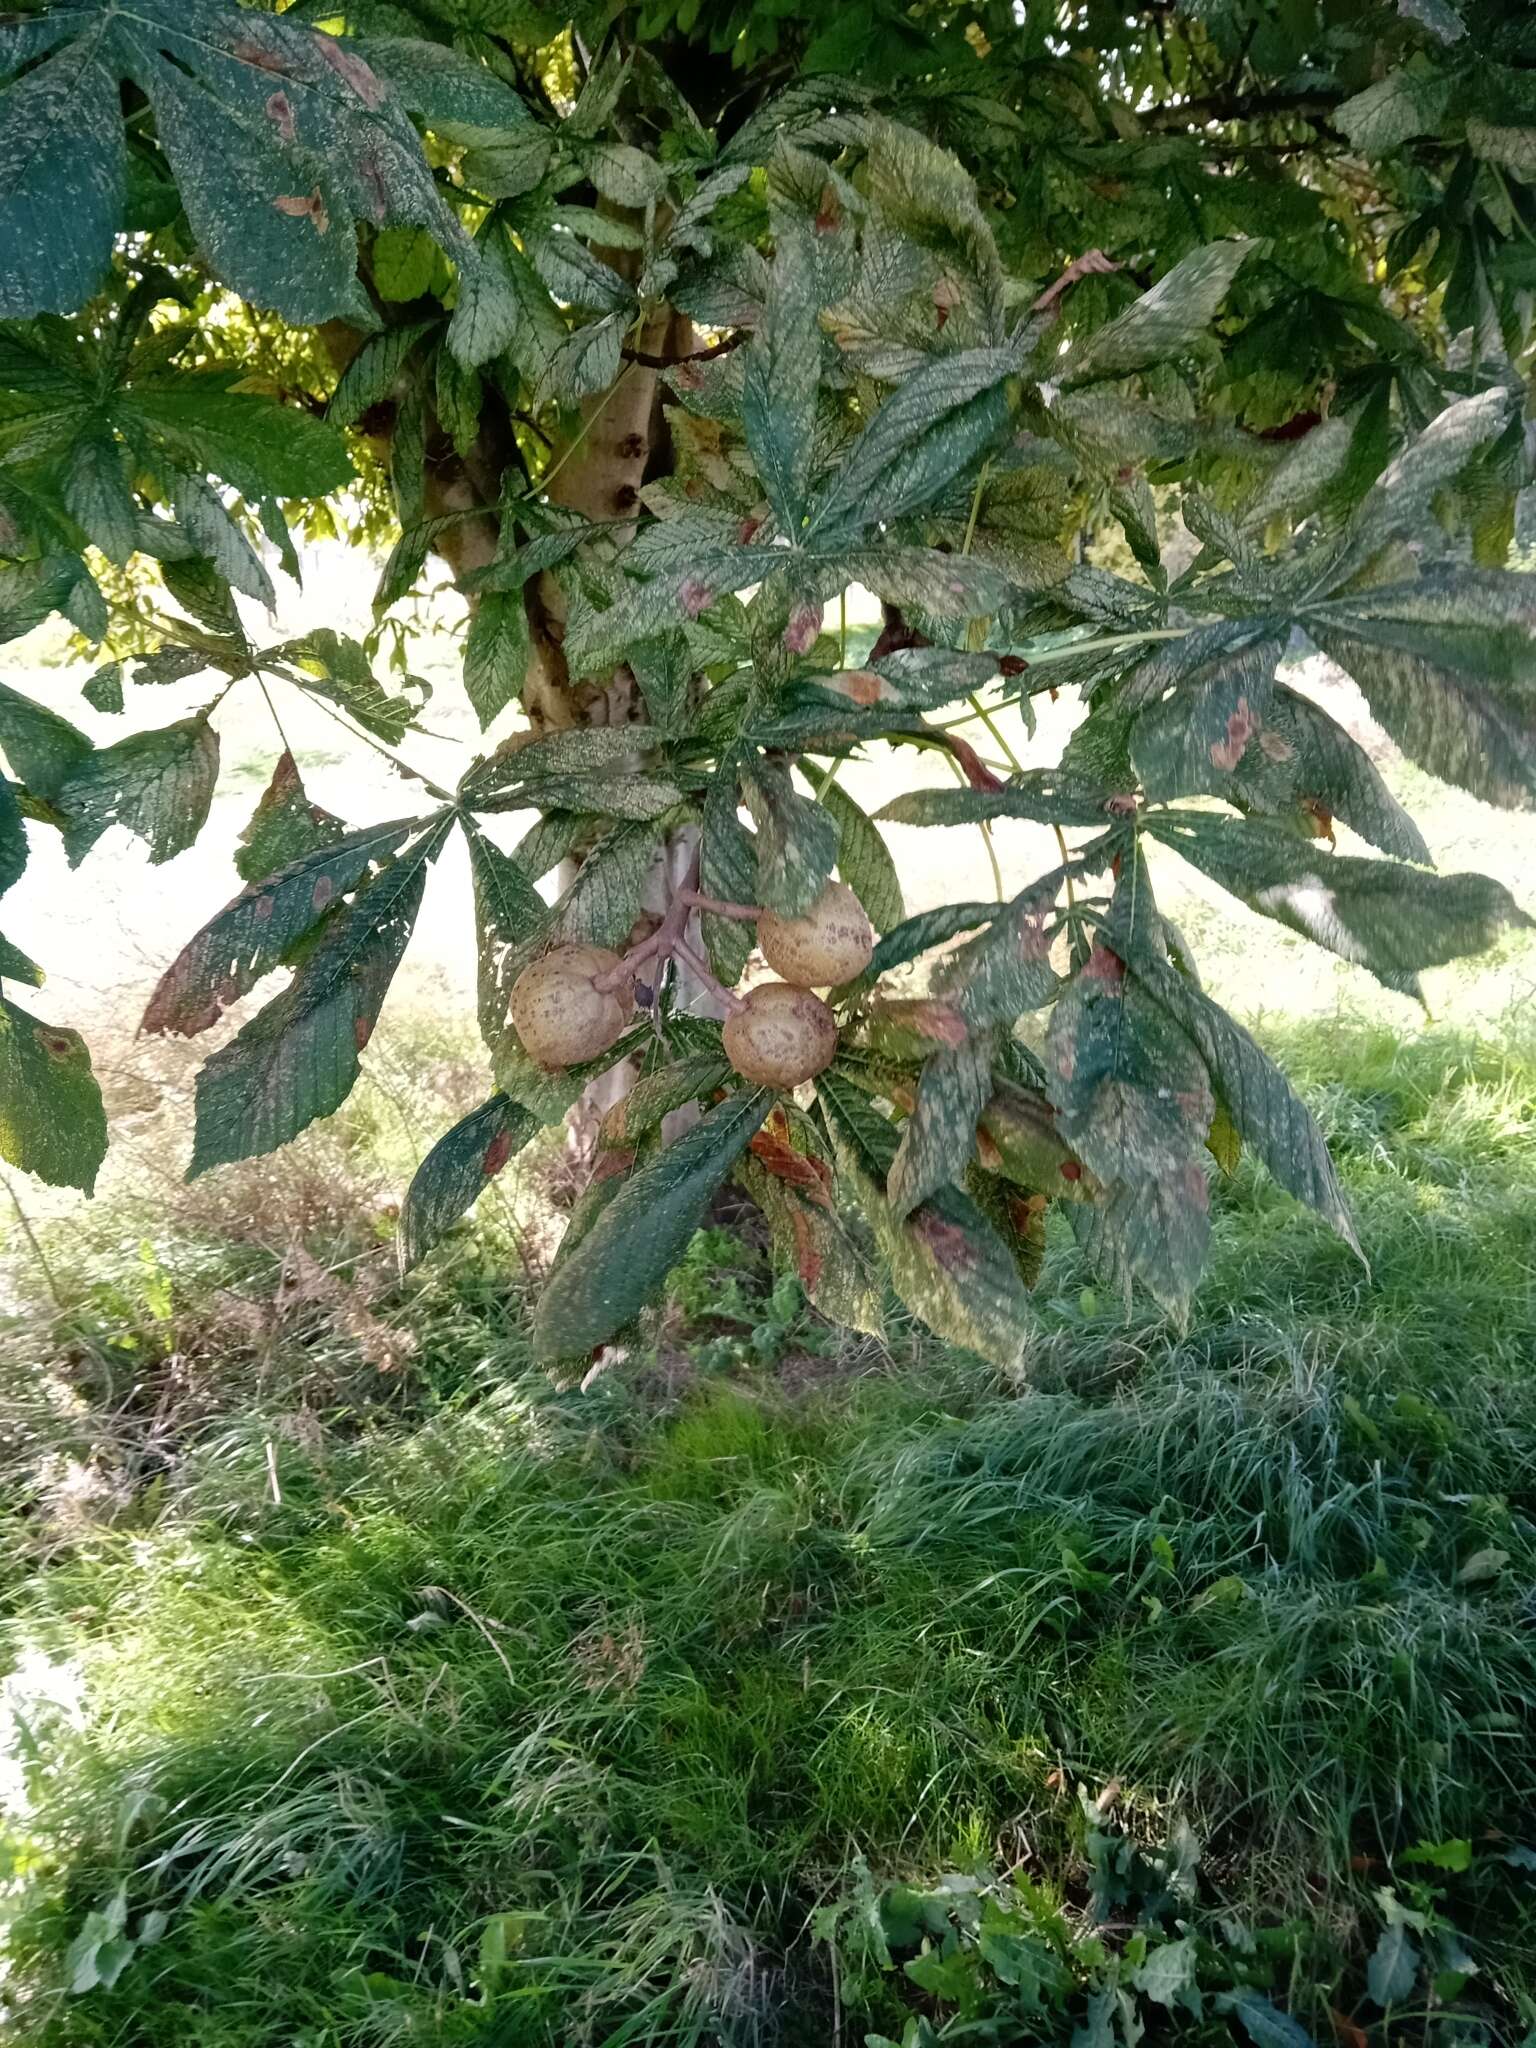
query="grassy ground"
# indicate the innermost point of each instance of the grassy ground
(368, 1688)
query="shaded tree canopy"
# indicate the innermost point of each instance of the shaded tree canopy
(664, 326)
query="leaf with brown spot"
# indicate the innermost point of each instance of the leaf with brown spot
(51, 1119)
(457, 1169)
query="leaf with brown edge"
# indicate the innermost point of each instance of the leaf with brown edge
(816, 1244)
(285, 826)
(458, 1169)
(256, 932)
(1017, 1138)
(157, 784)
(940, 1135)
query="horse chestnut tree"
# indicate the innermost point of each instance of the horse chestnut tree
(660, 384)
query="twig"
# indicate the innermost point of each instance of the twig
(747, 913)
(646, 361)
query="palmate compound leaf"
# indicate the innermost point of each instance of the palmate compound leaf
(279, 138)
(458, 1169)
(1381, 914)
(1448, 665)
(257, 931)
(51, 1119)
(1134, 1101)
(947, 1263)
(1268, 1115)
(158, 784)
(642, 1232)
(297, 1059)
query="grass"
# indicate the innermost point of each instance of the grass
(443, 1703)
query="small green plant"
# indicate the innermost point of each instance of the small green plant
(737, 1312)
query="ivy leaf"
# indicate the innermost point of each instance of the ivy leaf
(642, 1232)
(940, 1137)
(297, 1059)
(278, 138)
(1265, 1110)
(783, 376)
(948, 1265)
(51, 1120)
(1161, 323)
(158, 784)
(1387, 917)
(495, 654)
(285, 826)
(1448, 665)
(937, 423)
(797, 840)
(864, 860)
(457, 1170)
(259, 930)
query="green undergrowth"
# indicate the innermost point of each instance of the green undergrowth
(368, 1687)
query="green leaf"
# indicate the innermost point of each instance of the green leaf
(1411, 100)
(42, 748)
(373, 372)
(298, 1058)
(940, 1136)
(655, 1096)
(496, 654)
(259, 930)
(1387, 917)
(643, 1232)
(13, 838)
(929, 928)
(158, 784)
(935, 425)
(1168, 1976)
(455, 1172)
(864, 860)
(797, 840)
(97, 494)
(104, 690)
(261, 449)
(1399, 499)
(15, 966)
(490, 302)
(1268, 1115)
(622, 173)
(205, 519)
(51, 1119)
(1264, 2023)
(601, 905)
(783, 377)
(587, 361)
(1452, 1855)
(29, 591)
(1393, 1969)
(285, 826)
(448, 89)
(1448, 665)
(1042, 795)
(329, 665)
(405, 265)
(1162, 322)
(1006, 969)
(278, 138)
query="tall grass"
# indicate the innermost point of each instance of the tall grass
(442, 1702)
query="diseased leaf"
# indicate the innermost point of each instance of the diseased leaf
(1265, 1110)
(940, 1136)
(948, 1265)
(495, 654)
(1041, 794)
(1006, 969)
(457, 1170)
(864, 860)
(797, 840)
(1387, 917)
(1300, 760)
(783, 375)
(158, 784)
(929, 928)
(510, 917)
(938, 422)
(642, 1232)
(1195, 738)
(604, 900)
(285, 826)
(330, 665)
(1161, 323)
(261, 927)
(51, 1119)
(728, 872)
(278, 138)
(1448, 665)
(297, 1059)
